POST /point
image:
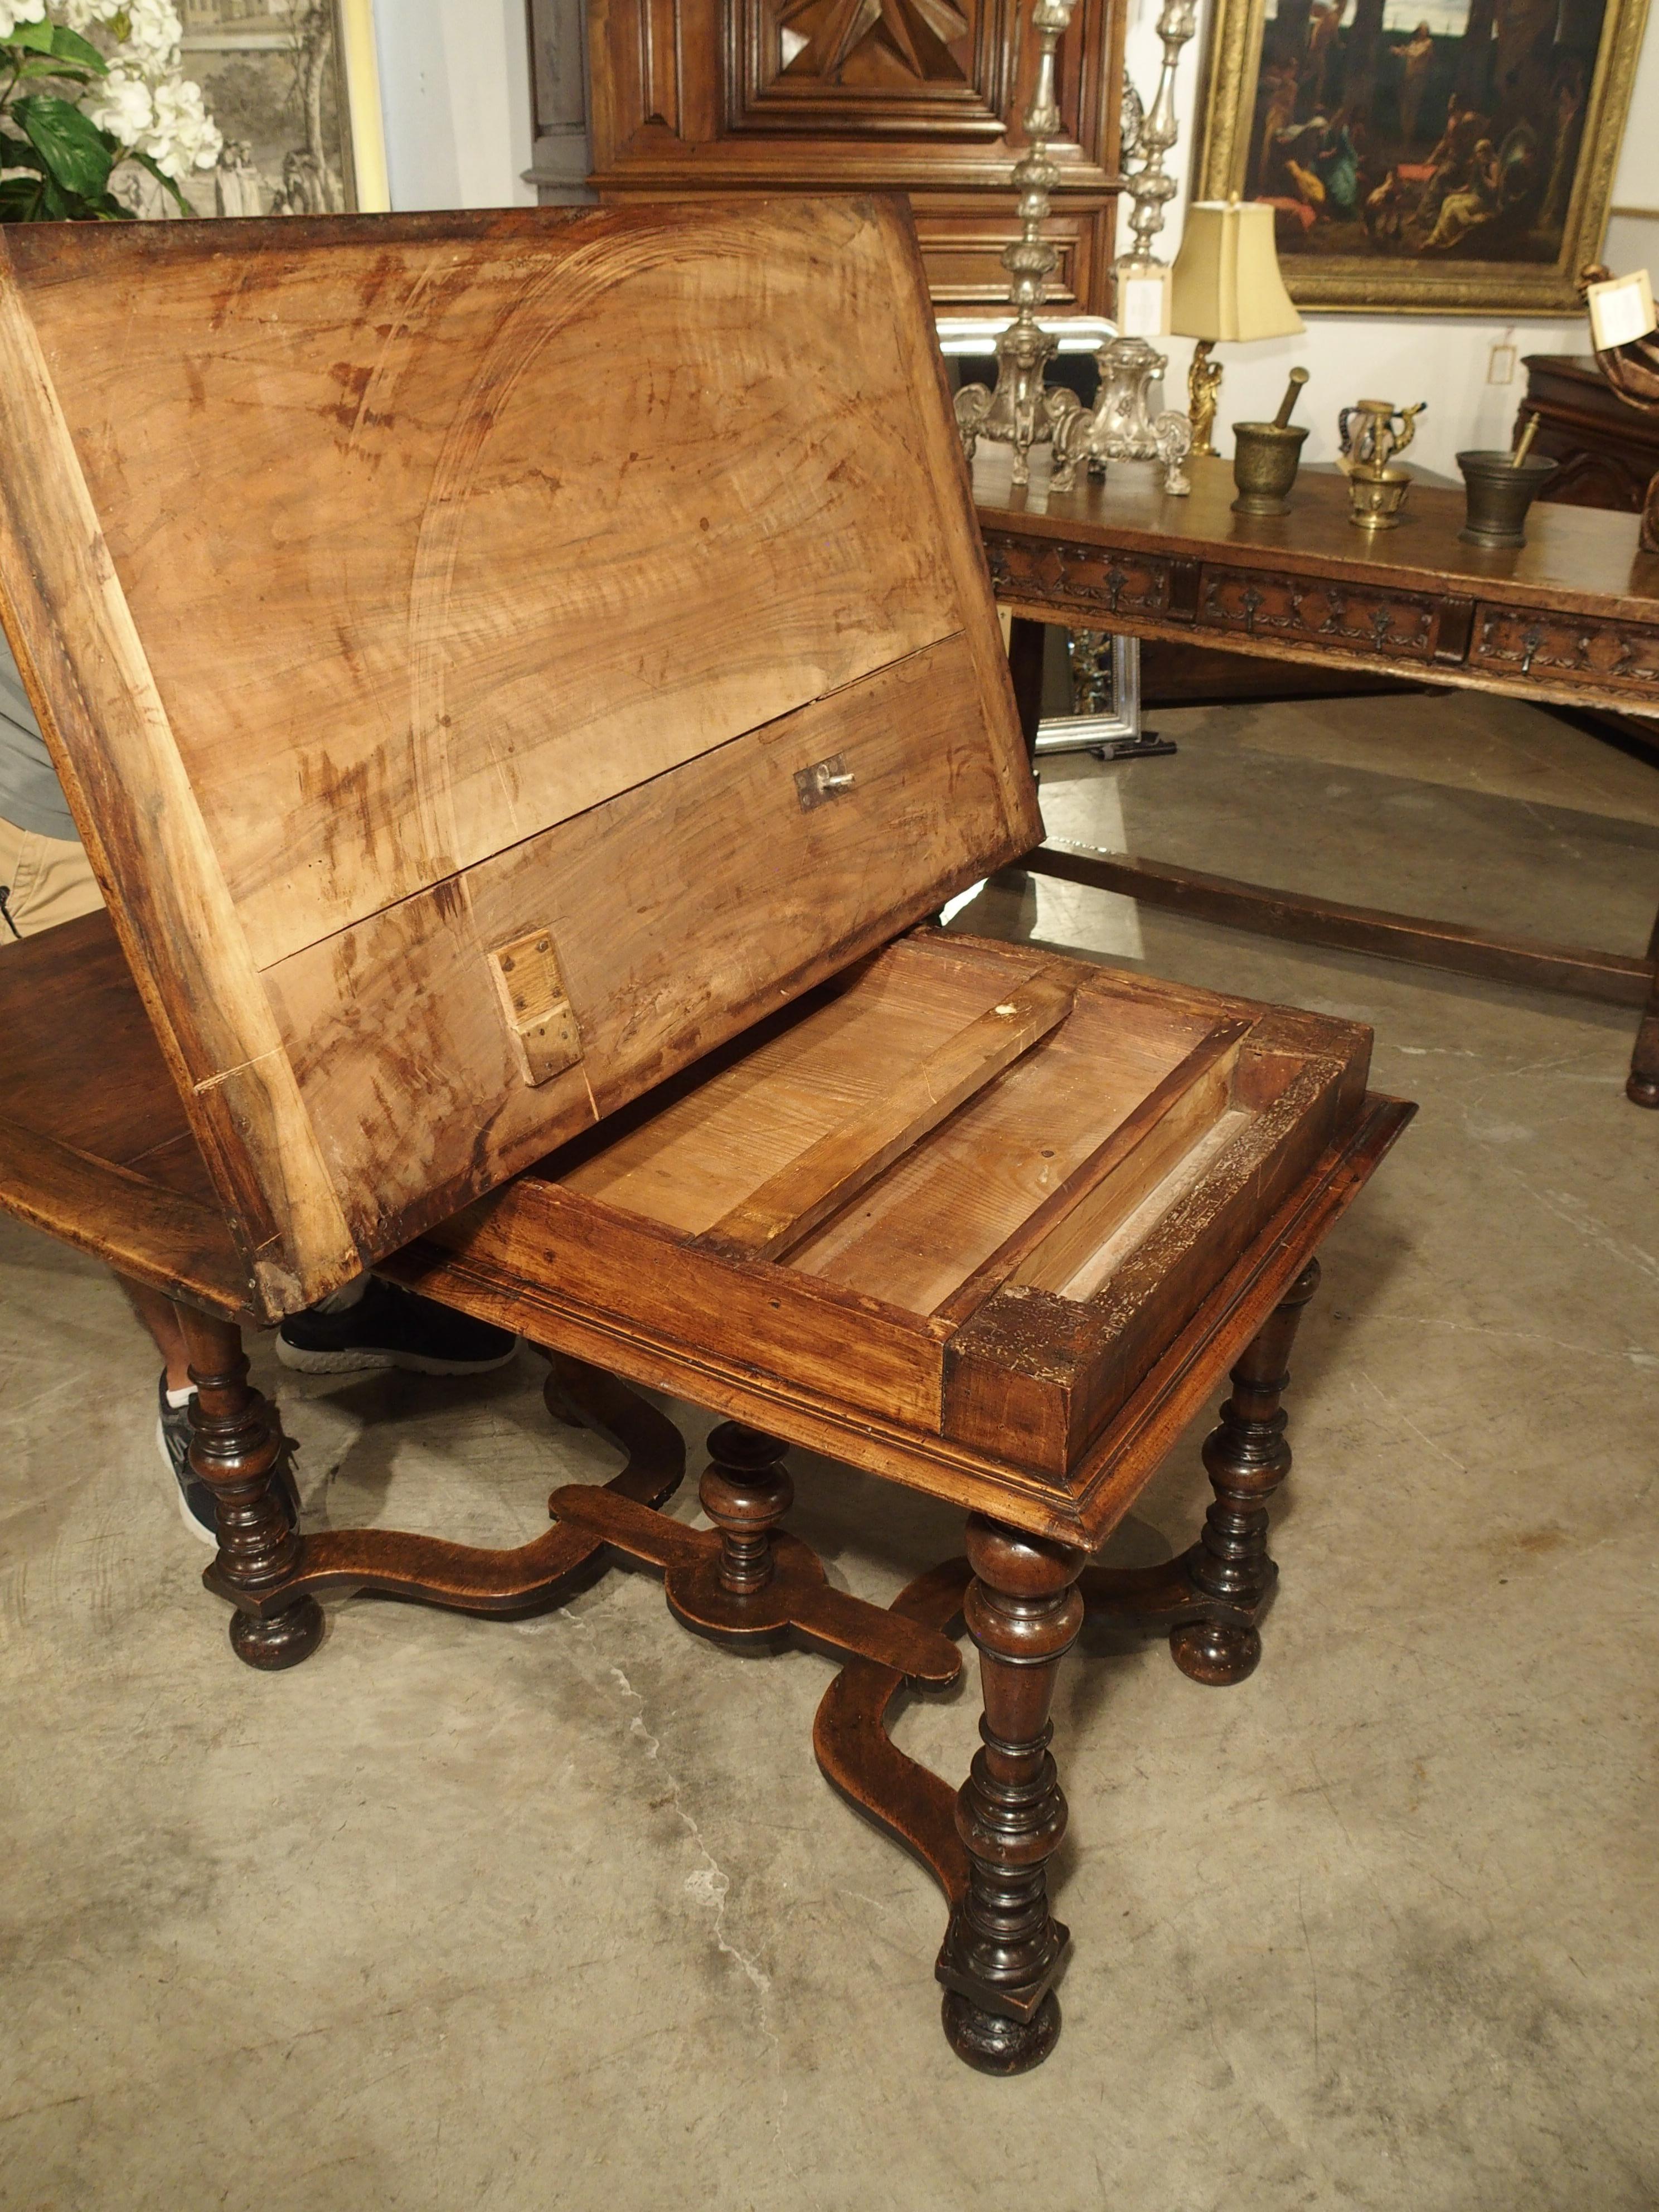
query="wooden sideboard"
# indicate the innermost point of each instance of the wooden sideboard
(922, 96)
(1571, 618)
(1607, 451)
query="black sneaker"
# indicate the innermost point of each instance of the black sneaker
(390, 1326)
(194, 1498)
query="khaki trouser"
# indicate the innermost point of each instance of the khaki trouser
(46, 880)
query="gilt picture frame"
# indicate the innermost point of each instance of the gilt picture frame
(1422, 156)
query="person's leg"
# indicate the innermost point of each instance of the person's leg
(160, 1318)
(371, 1324)
(43, 881)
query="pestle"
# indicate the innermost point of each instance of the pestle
(1523, 445)
(1292, 391)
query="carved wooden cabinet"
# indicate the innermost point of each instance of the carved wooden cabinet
(1606, 450)
(923, 95)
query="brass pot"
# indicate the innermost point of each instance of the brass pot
(1265, 458)
(1498, 495)
(1375, 497)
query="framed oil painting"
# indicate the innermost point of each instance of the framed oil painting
(1436, 156)
(292, 86)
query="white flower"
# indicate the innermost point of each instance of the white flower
(153, 34)
(143, 102)
(82, 15)
(120, 103)
(183, 136)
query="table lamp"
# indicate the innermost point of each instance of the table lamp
(1225, 285)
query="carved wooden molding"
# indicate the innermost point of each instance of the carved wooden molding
(1260, 603)
(918, 95)
(1554, 648)
(1094, 585)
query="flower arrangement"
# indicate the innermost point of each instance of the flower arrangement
(85, 86)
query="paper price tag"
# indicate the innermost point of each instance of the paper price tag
(1143, 306)
(1620, 310)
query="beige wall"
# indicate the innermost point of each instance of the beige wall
(1443, 359)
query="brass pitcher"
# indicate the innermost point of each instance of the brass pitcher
(1368, 435)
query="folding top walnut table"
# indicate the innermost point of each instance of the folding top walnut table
(520, 678)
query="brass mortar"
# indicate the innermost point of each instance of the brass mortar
(1265, 458)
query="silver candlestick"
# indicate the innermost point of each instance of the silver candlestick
(1155, 131)
(1022, 410)
(1121, 427)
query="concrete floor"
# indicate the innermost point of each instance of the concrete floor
(561, 1913)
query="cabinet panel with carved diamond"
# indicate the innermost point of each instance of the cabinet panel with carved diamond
(919, 95)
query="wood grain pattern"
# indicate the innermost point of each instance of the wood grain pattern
(492, 473)
(660, 962)
(565, 540)
(1108, 1187)
(824, 1178)
(600, 1257)
(90, 679)
(940, 1213)
(688, 1158)
(165, 1238)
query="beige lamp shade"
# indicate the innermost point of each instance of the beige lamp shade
(1225, 282)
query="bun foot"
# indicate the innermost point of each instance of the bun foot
(284, 1640)
(1213, 1653)
(1642, 1090)
(993, 2045)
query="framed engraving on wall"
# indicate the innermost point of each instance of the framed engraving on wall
(1434, 156)
(291, 85)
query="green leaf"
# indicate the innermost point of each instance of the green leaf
(69, 45)
(18, 153)
(20, 198)
(162, 178)
(78, 154)
(47, 65)
(37, 36)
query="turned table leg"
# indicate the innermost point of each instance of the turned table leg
(1247, 1457)
(1027, 641)
(235, 1449)
(1643, 1088)
(1004, 1947)
(745, 1493)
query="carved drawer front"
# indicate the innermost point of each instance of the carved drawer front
(962, 256)
(1081, 578)
(1319, 613)
(1560, 649)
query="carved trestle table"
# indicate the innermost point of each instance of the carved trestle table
(515, 809)
(1570, 619)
